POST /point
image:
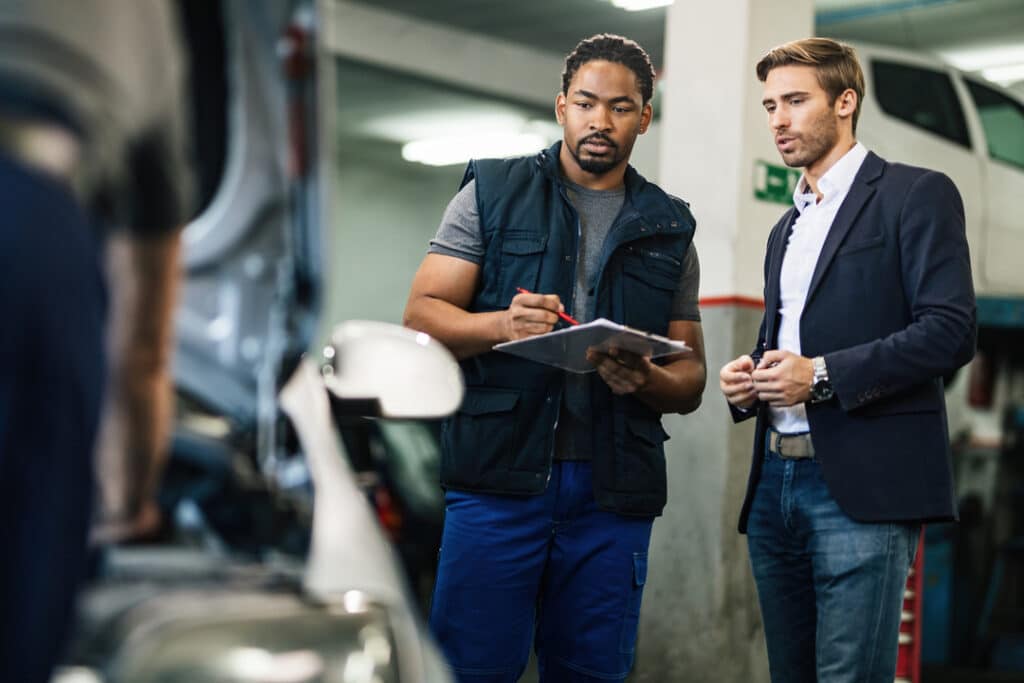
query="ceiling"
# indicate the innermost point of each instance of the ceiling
(377, 122)
(551, 25)
(556, 25)
(394, 108)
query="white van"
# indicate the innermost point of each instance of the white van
(920, 111)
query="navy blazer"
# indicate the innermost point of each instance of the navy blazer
(891, 308)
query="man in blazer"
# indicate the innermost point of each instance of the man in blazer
(868, 304)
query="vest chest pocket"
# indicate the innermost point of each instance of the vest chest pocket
(521, 256)
(649, 284)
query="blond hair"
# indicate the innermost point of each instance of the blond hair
(835, 63)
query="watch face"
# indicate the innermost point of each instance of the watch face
(821, 391)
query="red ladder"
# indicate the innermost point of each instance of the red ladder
(908, 657)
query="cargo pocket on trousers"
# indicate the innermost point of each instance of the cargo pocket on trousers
(631, 620)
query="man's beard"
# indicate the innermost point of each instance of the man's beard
(818, 142)
(596, 166)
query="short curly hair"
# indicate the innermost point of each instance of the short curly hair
(611, 48)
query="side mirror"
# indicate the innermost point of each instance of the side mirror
(385, 370)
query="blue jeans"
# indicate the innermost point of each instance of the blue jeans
(554, 561)
(830, 588)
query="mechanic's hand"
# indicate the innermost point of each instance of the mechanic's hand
(139, 528)
(531, 314)
(783, 378)
(624, 372)
(736, 384)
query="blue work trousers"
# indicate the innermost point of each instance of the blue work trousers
(552, 568)
(830, 588)
(52, 304)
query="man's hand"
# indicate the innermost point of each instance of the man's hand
(736, 383)
(440, 297)
(673, 385)
(622, 371)
(531, 314)
(144, 526)
(783, 378)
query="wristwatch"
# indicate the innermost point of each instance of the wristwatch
(821, 387)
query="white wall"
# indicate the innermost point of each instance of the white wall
(385, 215)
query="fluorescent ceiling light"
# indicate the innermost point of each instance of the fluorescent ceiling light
(432, 122)
(458, 149)
(999, 63)
(1005, 75)
(637, 5)
(984, 56)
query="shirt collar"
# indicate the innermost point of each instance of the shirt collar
(836, 182)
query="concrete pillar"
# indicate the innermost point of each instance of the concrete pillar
(700, 620)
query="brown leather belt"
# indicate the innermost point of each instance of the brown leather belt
(794, 446)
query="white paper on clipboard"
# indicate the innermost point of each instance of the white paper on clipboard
(567, 348)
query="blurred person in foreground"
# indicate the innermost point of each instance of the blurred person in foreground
(553, 479)
(868, 304)
(92, 171)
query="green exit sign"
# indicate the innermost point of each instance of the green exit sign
(774, 183)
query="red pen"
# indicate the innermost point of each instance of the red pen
(564, 316)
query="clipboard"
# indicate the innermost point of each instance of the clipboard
(567, 348)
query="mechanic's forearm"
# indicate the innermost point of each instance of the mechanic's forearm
(136, 430)
(676, 387)
(465, 334)
(145, 275)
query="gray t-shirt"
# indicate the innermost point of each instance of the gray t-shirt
(116, 69)
(460, 235)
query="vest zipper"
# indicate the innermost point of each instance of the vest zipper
(572, 309)
(554, 442)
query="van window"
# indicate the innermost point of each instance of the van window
(922, 97)
(1003, 121)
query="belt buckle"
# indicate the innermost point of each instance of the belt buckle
(791, 446)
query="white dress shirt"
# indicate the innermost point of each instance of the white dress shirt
(802, 253)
